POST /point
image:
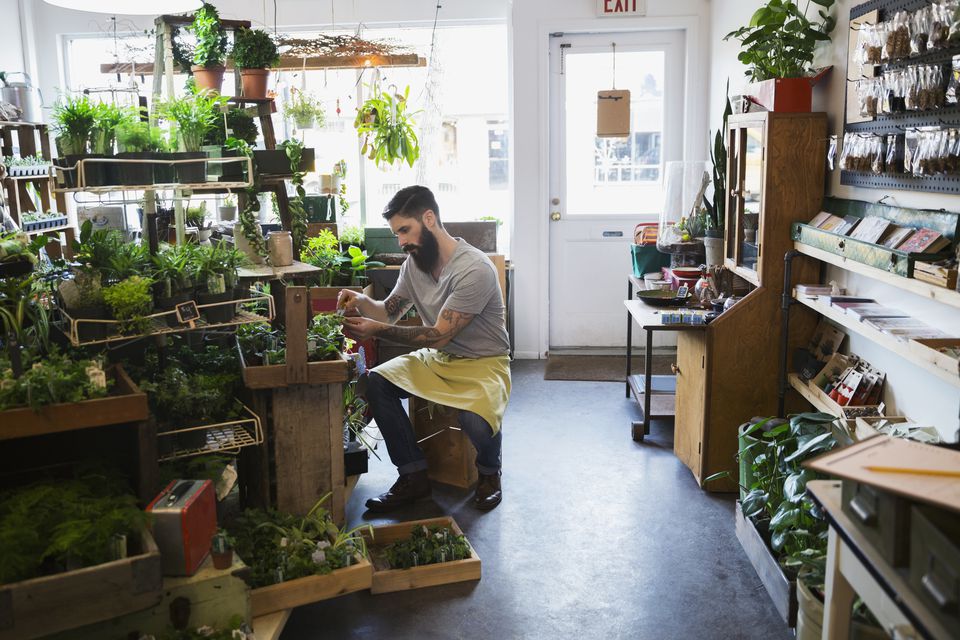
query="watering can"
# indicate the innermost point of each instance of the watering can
(23, 95)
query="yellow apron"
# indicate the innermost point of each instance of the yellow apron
(478, 385)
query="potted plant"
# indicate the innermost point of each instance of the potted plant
(74, 117)
(221, 549)
(304, 110)
(750, 221)
(254, 51)
(387, 129)
(136, 141)
(173, 281)
(106, 117)
(228, 209)
(212, 270)
(778, 47)
(211, 49)
(197, 217)
(194, 115)
(323, 251)
(130, 301)
(717, 208)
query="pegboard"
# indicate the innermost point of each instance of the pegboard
(933, 184)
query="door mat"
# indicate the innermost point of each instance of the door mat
(601, 368)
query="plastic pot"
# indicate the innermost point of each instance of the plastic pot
(193, 172)
(134, 174)
(220, 314)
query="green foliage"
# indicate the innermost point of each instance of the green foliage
(780, 40)
(716, 209)
(325, 339)
(172, 267)
(130, 301)
(128, 260)
(94, 249)
(47, 527)
(427, 545)
(305, 110)
(241, 124)
(249, 224)
(279, 547)
(136, 136)
(358, 263)
(261, 344)
(221, 259)
(51, 379)
(383, 118)
(21, 312)
(353, 236)
(298, 215)
(196, 216)
(254, 49)
(107, 117)
(195, 115)
(16, 246)
(75, 117)
(323, 251)
(211, 49)
(340, 171)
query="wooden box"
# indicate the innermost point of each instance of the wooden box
(386, 580)
(50, 604)
(451, 457)
(883, 518)
(935, 562)
(125, 404)
(941, 276)
(294, 593)
(927, 348)
(818, 398)
(781, 589)
(276, 376)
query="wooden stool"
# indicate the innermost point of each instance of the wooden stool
(451, 457)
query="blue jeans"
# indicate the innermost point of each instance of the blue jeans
(394, 423)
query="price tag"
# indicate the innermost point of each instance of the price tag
(188, 313)
(97, 376)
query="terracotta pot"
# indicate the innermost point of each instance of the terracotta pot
(208, 77)
(222, 559)
(254, 82)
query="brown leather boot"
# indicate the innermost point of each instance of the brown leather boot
(406, 490)
(489, 493)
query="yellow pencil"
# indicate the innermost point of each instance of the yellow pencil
(947, 473)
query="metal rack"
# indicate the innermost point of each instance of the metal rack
(223, 437)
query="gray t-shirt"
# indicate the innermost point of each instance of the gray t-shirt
(468, 283)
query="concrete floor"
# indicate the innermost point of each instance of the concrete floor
(597, 537)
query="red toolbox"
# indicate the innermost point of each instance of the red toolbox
(184, 521)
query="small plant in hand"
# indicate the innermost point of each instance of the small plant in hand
(279, 547)
(427, 545)
(51, 379)
(130, 301)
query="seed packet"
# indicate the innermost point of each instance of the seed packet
(911, 143)
(911, 87)
(893, 162)
(896, 44)
(953, 85)
(870, 45)
(939, 26)
(867, 97)
(876, 155)
(920, 23)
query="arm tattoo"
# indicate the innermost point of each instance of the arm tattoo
(395, 307)
(453, 322)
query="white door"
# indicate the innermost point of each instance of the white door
(600, 188)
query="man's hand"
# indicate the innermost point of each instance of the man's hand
(350, 302)
(359, 328)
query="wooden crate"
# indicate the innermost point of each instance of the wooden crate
(275, 376)
(927, 349)
(295, 593)
(451, 457)
(125, 404)
(934, 274)
(82, 597)
(782, 590)
(387, 580)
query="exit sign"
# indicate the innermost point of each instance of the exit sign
(621, 7)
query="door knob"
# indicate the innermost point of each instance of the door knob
(555, 215)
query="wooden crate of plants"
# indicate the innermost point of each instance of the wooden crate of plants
(126, 403)
(50, 604)
(286, 595)
(387, 579)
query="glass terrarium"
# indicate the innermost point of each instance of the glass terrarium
(683, 219)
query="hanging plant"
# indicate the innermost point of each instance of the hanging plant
(298, 215)
(387, 129)
(248, 216)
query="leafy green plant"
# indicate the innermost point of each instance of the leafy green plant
(358, 261)
(128, 260)
(22, 316)
(107, 117)
(298, 215)
(136, 136)
(172, 269)
(130, 301)
(241, 124)
(717, 208)
(197, 216)
(95, 249)
(387, 129)
(325, 339)
(211, 47)
(427, 545)
(353, 236)
(195, 115)
(279, 547)
(16, 246)
(75, 117)
(304, 110)
(340, 172)
(249, 225)
(254, 49)
(51, 379)
(261, 344)
(323, 251)
(780, 40)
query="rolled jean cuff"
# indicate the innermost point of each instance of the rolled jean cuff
(488, 471)
(412, 467)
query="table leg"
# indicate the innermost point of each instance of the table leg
(629, 335)
(647, 383)
(839, 595)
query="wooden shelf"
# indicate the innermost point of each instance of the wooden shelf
(267, 272)
(922, 289)
(902, 349)
(801, 387)
(7, 123)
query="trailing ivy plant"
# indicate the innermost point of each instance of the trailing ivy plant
(298, 215)
(387, 129)
(248, 216)
(780, 40)
(340, 171)
(211, 48)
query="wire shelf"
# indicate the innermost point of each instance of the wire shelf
(80, 168)
(222, 437)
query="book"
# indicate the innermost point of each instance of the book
(874, 310)
(925, 241)
(849, 222)
(870, 229)
(820, 218)
(831, 224)
(815, 289)
(895, 236)
(845, 306)
(843, 298)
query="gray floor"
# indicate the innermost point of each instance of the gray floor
(597, 537)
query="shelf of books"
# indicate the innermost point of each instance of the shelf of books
(916, 342)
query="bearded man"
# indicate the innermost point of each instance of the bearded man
(461, 359)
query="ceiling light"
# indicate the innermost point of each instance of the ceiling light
(125, 7)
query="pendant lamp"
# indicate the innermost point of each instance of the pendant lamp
(126, 7)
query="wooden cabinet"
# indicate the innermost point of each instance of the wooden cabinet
(729, 373)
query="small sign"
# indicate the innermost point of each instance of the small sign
(188, 313)
(613, 113)
(607, 8)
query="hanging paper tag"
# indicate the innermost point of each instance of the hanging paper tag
(97, 377)
(613, 113)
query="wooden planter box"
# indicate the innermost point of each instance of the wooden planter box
(387, 580)
(275, 376)
(50, 604)
(286, 595)
(782, 590)
(126, 404)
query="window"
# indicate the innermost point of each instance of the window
(498, 155)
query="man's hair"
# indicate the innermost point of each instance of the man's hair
(411, 202)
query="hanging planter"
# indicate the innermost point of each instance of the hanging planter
(387, 129)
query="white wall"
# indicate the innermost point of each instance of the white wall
(11, 51)
(909, 390)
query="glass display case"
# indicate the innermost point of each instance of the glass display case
(745, 198)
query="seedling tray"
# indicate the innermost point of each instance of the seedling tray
(286, 595)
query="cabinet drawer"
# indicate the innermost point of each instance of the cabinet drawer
(935, 563)
(883, 518)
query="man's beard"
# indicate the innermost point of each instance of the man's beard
(427, 251)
